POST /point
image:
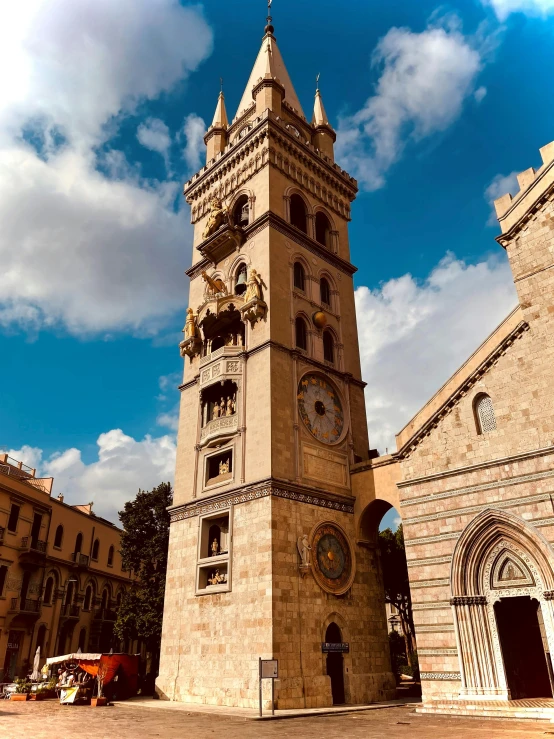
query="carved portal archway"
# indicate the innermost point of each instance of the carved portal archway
(498, 556)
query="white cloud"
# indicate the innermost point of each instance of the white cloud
(194, 129)
(169, 420)
(123, 466)
(154, 134)
(424, 80)
(413, 336)
(503, 8)
(500, 185)
(480, 94)
(85, 241)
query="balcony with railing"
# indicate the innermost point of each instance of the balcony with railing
(81, 560)
(23, 473)
(70, 611)
(29, 544)
(25, 606)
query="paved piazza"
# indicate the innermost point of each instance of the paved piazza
(126, 721)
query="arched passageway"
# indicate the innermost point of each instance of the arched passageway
(335, 663)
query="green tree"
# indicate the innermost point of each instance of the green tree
(144, 544)
(397, 585)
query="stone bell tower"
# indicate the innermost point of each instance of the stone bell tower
(264, 559)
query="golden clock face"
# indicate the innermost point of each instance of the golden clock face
(332, 560)
(320, 408)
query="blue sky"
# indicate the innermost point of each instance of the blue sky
(102, 110)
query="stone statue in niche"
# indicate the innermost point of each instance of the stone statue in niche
(215, 412)
(304, 550)
(253, 287)
(217, 217)
(215, 548)
(231, 405)
(224, 468)
(191, 328)
(217, 578)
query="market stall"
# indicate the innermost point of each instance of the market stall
(116, 674)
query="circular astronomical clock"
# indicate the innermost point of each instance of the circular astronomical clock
(333, 565)
(320, 408)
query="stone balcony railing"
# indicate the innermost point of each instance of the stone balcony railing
(80, 559)
(219, 427)
(25, 605)
(28, 544)
(224, 351)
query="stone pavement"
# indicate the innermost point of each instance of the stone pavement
(49, 720)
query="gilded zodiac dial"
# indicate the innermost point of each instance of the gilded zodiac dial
(320, 408)
(332, 563)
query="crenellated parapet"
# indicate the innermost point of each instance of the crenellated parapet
(535, 186)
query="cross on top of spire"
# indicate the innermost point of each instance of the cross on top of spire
(269, 26)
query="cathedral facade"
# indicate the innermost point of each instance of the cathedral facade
(264, 559)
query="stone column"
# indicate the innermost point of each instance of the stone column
(475, 649)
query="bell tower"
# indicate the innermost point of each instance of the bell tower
(264, 559)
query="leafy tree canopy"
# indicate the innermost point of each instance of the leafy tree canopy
(144, 544)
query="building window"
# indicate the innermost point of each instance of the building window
(105, 599)
(88, 598)
(3, 574)
(484, 411)
(49, 591)
(78, 543)
(219, 467)
(301, 334)
(298, 213)
(241, 278)
(328, 347)
(41, 637)
(322, 229)
(325, 291)
(14, 518)
(82, 638)
(59, 537)
(95, 548)
(241, 212)
(213, 571)
(299, 277)
(110, 556)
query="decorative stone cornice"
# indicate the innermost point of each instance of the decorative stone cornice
(462, 390)
(262, 489)
(468, 600)
(440, 676)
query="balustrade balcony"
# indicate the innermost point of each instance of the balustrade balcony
(81, 560)
(25, 606)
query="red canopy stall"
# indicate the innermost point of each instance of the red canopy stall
(124, 664)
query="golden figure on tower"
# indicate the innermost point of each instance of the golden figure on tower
(218, 215)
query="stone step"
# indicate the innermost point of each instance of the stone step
(530, 709)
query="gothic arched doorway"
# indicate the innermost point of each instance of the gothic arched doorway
(335, 664)
(502, 582)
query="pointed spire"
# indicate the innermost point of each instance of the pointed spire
(220, 115)
(320, 116)
(269, 62)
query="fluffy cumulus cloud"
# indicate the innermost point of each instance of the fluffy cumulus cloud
(503, 8)
(193, 132)
(154, 135)
(424, 79)
(414, 335)
(500, 185)
(86, 242)
(123, 465)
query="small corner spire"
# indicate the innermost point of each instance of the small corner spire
(320, 116)
(220, 116)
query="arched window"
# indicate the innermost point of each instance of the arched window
(105, 595)
(70, 592)
(325, 291)
(78, 543)
(328, 347)
(48, 591)
(298, 215)
(301, 334)
(299, 276)
(59, 537)
(88, 598)
(118, 599)
(322, 229)
(110, 556)
(241, 277)
(240, 211)
(41, 638)
(82, 638)
(95, 548)
(484, 413)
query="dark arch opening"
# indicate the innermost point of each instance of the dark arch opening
(328, 347)
(48, 591)
(88, 598)
(241, 277)
(110, 556)
(82, 639)
(78, 543)
(301, 334)
(241, 212)
(325, 291)
(299, 276)
(298, 213)
(335, 664)
(41, 638)
(95, 548)
(322, 229)
(59, 537)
